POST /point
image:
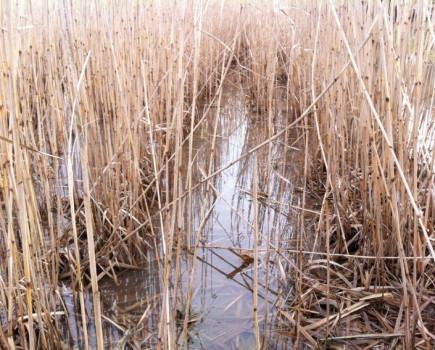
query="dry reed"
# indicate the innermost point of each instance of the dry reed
(98, 100)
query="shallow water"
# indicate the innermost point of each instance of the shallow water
(222, 297)
(224, 276)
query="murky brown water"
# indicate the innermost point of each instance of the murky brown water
(223, 290)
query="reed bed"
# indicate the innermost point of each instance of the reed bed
(98, 100)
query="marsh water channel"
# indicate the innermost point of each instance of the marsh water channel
(222, 298)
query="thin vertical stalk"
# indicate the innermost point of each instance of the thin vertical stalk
(91, 243)
(256, 235)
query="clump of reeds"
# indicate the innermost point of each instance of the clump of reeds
(95, 103)
(360, 77)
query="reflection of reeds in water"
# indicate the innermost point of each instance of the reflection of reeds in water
(97, 109)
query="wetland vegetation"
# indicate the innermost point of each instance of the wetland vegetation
(217, 174)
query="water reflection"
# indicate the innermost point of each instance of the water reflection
(224, 275)
(124, 301)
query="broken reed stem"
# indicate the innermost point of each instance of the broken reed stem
(91, 247)
(256, 236)
(71, 182)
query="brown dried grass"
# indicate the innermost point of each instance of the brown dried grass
(99, 99)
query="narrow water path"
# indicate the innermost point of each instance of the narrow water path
(223, 299)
